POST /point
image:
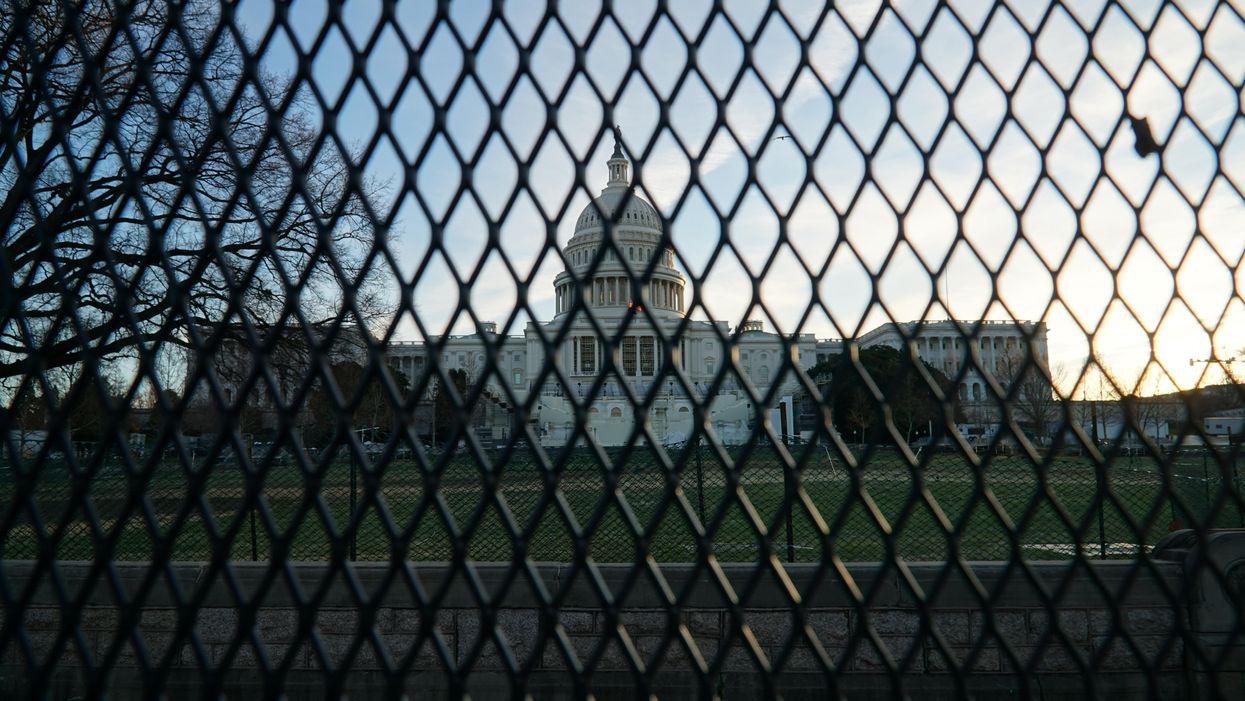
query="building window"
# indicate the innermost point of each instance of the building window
(628, 356)
(763, 375)
(587, 355)
(646, 355)
(615, 413)
(518, 377)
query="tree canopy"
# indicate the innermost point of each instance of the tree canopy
(147, 187)
(857, 413)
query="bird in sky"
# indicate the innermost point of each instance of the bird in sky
(1144, 144)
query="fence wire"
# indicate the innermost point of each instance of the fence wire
(894, 283)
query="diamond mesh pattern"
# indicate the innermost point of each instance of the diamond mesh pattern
(950, 288)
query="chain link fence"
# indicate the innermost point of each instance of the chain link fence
(577, 343)
(1068, 508)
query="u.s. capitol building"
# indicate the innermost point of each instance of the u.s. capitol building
(626, 361)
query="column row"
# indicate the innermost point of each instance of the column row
(638, 355)
(616, 291)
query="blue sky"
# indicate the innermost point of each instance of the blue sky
(1042, 164)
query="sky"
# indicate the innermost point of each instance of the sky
(993, 169)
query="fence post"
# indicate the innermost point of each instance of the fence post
(256, 484)
(788, 488)
(700, 482)
(354, 498)
(1169, 491)
(1236, 486)
(1206, 489)
(1101, 473)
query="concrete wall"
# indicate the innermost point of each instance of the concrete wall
(1122, 628)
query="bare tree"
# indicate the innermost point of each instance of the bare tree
(1154, 411)
(1097, 394)
(912, 401)
(1035, 399)
(151, 186)
(25, 413)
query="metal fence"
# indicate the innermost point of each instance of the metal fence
(1067, 508)
(889, 283)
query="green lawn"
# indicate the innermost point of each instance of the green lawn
(989, 511)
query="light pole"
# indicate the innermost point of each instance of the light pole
(432, 388)
(354, 492)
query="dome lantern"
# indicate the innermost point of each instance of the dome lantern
(618, 164)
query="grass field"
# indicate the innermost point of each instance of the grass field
(942, 507)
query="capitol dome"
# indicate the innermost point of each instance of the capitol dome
(636, 211)
(605, 279)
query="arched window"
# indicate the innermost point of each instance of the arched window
(615, 413)
(976, 391)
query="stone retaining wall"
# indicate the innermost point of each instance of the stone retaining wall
(1121, 628)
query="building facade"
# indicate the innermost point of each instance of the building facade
(614, 341)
